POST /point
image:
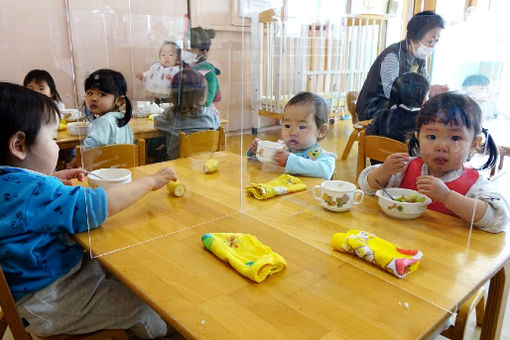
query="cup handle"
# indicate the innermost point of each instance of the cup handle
(356, 202)
(314, 192)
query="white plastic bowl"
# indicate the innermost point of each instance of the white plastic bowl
(71, 115)
(108, 177)
(402, 210)
(266, 150)
(78, 128)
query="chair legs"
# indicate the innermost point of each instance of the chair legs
(352, 138)
(477, 302)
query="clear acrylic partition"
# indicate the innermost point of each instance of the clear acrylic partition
(266, 56)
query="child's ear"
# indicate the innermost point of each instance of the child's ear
(323, 130)
(119, 101)
(17, 145)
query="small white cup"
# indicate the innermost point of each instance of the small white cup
(71, 115)
(337, 195)
(266, 150)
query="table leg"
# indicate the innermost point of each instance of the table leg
(496, 304)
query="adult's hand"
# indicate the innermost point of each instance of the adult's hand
(437, 89)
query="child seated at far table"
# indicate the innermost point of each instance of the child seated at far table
(305, 122)
(57, 289)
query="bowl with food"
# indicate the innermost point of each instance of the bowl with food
(406, 203)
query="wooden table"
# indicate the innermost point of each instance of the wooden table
(142, 128)
(323, 293)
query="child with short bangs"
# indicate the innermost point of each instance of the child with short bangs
(305, 122)
(448, 131)
(56, 288)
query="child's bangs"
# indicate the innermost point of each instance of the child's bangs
(452, 115)
(102, 83)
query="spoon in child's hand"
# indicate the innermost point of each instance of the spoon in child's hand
(384, 189)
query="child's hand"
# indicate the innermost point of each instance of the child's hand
(280, 157)
(395, 163)
(139, 76)
(169, 77)
(254, 144)
(162, 177)
(67, 175)
(433, 187)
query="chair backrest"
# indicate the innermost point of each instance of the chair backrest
(351, 98)
(201, 141)
(9, 314)
(375, 147)
(112, 156)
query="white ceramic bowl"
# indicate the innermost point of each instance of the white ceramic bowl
(266, 150)
(402, 210)
(108, 177)
(78, 128)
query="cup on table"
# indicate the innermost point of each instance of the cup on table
(337, 195)
(266, 150)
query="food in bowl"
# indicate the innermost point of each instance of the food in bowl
(415, 205)
(108, 177)
(78, 128)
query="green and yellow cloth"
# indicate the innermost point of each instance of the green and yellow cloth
(281, 185)
(245, 253)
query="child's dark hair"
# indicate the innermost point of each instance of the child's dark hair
(177, 49)
(409, 89)
(457, 109)
(110, 81)
(421, 23)
(188, 91)
(321, 107)
(201, 38)
(476, 80)
(38, 76)
(24, 110)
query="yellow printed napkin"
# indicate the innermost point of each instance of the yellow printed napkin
(245, 253)
(399, 262)
(281, 185)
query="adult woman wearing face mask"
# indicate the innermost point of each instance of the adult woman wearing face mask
(409, 55)
(196, 57)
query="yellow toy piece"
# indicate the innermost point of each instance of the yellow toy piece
(176, 188)
(63, 125)
(399, 262)
(211, 166)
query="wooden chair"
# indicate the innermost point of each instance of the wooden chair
(375, 147)
(477, 301)
(357, 125)
(112, 156)
(9, 317)
(202, 141)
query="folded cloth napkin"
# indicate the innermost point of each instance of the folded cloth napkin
(382, 253)
(281, 185)
(245, 253)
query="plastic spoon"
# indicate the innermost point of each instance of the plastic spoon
(384, 190)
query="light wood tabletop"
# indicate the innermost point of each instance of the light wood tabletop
(154, 247)
(142, 128)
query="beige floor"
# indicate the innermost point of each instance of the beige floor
(345, 170)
